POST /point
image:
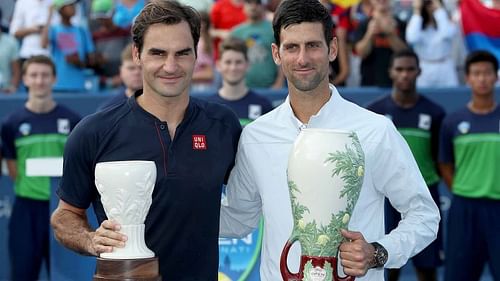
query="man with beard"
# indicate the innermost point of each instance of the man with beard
(258, 182)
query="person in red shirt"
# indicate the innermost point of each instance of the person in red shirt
(225, 14)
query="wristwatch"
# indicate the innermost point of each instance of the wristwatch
(379, 256)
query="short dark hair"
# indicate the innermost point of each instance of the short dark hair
(297, 11)
(233, 44)
(42, 59)
(167, 12)
(480, 56)
(403, 54)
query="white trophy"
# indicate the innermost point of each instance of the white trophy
(126, 189)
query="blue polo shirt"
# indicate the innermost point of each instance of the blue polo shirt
(248, 108)
(182, 225)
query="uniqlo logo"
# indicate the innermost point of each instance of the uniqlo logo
(199, 142)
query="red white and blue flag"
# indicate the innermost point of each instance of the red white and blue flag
(481, 26)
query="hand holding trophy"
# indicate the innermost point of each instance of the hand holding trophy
(126, 189)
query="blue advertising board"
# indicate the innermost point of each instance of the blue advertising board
(239, 259)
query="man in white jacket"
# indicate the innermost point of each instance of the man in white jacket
(258, 183)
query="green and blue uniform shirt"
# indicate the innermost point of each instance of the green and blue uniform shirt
(472, 143)
(419, 126)
(27, 135)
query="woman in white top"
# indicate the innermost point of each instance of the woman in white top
(430, 32)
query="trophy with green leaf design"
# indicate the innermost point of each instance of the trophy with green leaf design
(325, 174)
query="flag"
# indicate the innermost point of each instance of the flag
(481, 26)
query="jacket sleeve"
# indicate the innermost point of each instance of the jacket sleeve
(242, 207)
(399, 179)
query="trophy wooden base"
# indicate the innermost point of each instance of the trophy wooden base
(127, 270)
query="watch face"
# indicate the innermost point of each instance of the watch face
(380, 255)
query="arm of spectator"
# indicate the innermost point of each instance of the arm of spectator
(44, 41)
(219, 33)
(215, 22)
(414, 28)
(17, 25)
(91, 54)
(364, 46)
(342, 56)
(22, 32)
(390, 27)
(397, 44)
(445, 27)
(71, 229)
(447, 171)
(12, 168)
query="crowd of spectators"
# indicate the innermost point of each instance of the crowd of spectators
(85, 39)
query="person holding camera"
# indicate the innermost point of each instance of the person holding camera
(430, 32)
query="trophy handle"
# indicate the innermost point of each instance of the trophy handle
(285, 271)
(336, 275)
(347, 278)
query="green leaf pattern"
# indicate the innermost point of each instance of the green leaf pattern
(323, 240)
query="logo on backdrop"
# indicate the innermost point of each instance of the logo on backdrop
(238, 257)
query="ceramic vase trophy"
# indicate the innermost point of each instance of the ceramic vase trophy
(126, 189)
(325, 174)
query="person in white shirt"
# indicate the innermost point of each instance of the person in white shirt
(28, 20)
(430, 31)
(258, 183)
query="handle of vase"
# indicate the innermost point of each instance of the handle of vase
(336, 275)
(347, 278)
(285, 271)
